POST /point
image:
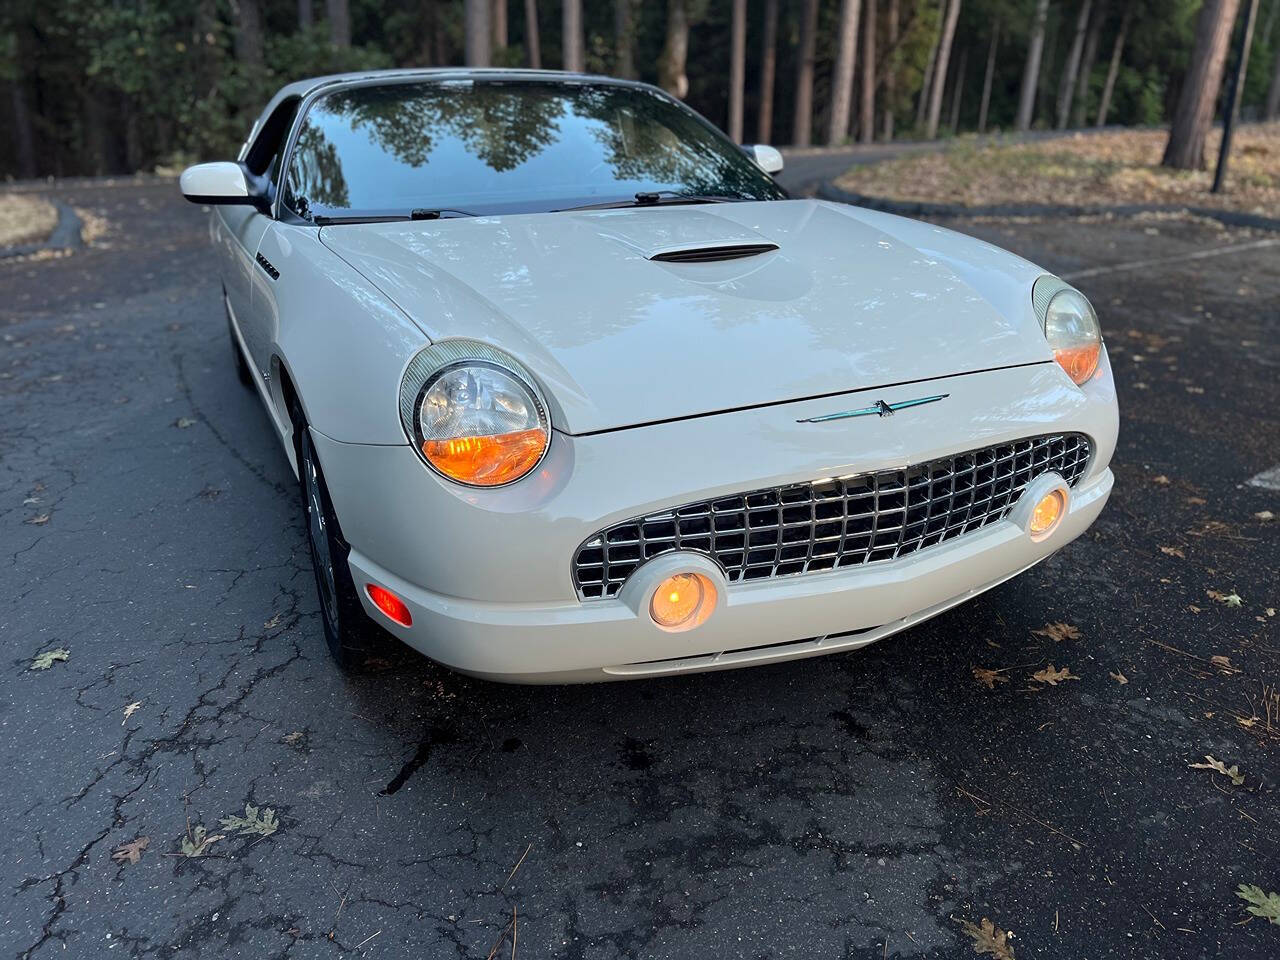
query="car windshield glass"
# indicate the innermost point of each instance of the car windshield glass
(506, 147)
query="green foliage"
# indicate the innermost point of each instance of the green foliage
(1262, 904)
(263, 823)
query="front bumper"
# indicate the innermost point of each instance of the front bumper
(486, 573)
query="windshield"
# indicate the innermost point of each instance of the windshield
(506, 147)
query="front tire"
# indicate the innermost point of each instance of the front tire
(351, 636)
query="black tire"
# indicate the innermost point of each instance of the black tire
(351, 636)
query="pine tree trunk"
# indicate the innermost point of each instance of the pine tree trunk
(940, 68)
(768, 72)
(1087, 64)
(624, 45)
(1186, 147)
(1067, 85)
(1104, 101)
(1031, 73)
(926, 84)
(306, 14)
(986, 77)
(532, 39)
(498, 21)
(477, 33)
(958, 90)
(23, 132)
(339, 23)
(571, 27)
(1272, 110)
(675, 50)
(891, 73)
(737, 68)
(248, 38)
(802, 123)
(867, 116)
(842, 79)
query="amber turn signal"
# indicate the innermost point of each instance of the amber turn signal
(390, 604)
(683, 601)
(487, 461)
(1080, 363)
(1047, 513)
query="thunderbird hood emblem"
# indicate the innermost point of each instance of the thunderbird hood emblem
(879, 408)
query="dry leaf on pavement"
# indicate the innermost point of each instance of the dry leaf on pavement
(1161, 479)
(46, 660)
(989, 678)
(1052, 676)
(1264, 904)
(1264, 515)
(130, 710)
(1218, 766)
(1173, 552)
(130, 852)
(989, 940)
(1120, 678)
(1058, 632)
(198, 844)
(1231, 599)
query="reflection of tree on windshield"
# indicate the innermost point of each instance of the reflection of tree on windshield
(499, 124)
(646, 139)
(316, 175)
(397, 146)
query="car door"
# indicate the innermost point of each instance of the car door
(245, 227)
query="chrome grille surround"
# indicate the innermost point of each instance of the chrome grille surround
(832, 523)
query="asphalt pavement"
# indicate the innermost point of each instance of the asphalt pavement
(870, 805)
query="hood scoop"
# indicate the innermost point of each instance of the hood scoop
(713, 254)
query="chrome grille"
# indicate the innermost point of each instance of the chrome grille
(841, 522)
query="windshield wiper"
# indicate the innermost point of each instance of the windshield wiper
(440, 213)
(655, 198)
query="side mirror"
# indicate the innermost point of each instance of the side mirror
(222, 182)
(767, 158)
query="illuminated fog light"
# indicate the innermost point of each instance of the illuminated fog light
(682, 602)
(1047, 514)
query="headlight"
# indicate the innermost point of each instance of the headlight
(474, 414)
(1070, 326)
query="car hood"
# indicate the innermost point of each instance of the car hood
(848, 300)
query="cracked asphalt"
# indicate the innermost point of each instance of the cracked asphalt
(863, 805)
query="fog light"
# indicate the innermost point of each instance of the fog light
(1047, 513)
(682, 602)
(390, 604)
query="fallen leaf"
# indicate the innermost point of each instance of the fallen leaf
(1231, 599)
(1246, 722)
(1218, 766)
(263, 825)
(1120, 678)
(1173, 552)
(130, 710)
(39, 520)
(130, 852)
(1224, 663)
(1058, 632)
(292, 738)
(1265, 905)
(989, 940)
(1052, 676)
(198, 844)
(1197, 501)
(1264, 516)
(1161, 479)
(183, 422)
(274, 621)
(989, 678)
(1193, 608)
(1271, 611)
(46, 660)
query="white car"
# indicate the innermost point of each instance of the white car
(576, 392)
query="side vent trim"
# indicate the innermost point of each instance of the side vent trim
(266, 265)
(735, 251)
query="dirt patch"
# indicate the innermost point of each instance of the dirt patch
(1100, 169)
(25, 219)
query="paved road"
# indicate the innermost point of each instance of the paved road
(856, 806)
